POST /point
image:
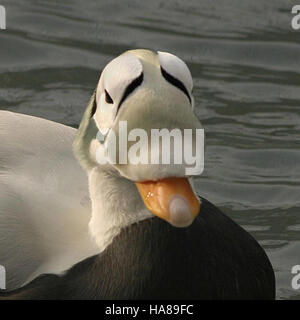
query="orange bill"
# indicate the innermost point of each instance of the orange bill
(171, 199)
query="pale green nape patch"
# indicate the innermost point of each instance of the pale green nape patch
(148, 58)
(86, 133)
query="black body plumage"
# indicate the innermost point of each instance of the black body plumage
(214, 258)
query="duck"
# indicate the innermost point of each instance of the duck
(76, 225)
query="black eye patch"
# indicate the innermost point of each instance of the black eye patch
(131, 87)
(108, 98)
(175, 82)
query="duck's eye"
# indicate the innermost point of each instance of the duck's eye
(108, 98)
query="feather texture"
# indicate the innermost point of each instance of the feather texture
(45, 205)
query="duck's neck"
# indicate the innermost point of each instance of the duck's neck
(116, 204)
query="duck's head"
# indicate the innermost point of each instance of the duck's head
(144, 90)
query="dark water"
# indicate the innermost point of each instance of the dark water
(245, 60)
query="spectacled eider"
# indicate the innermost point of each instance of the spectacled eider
(126, 244)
